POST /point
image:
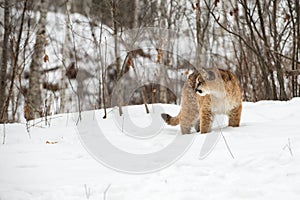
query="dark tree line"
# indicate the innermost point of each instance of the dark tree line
(265, 42)
(258, 40)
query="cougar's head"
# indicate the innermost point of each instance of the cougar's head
(198, 81)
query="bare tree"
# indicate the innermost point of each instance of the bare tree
(293, 16)
(64, 54)
(34, 96)
(259, 44)
(136, 14)
(4, 59)
(114, 6)
(14, 71)
(162, 56)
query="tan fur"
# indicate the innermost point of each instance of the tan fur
(189, 114)
(204, 95)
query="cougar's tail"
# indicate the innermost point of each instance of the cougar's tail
(173, 121)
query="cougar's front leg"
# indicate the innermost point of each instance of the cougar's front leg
(185, 128)
(235, 116)
(197, 125)
(206, 118)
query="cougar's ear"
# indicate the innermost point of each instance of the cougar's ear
(191, 79)
(199, 79)
(211, 75)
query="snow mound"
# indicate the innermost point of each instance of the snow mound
(51, 163)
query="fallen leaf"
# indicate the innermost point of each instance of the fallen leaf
(50, 142)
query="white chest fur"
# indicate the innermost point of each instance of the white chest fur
(220, 104)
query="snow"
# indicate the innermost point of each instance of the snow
(265, 147)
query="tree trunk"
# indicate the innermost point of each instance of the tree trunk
(114, 6)
(136, 14)
(163, 98)
(297, 53)
(198, 34)
(34, 97)
(64, 53)
(282, 93)
(3, 71)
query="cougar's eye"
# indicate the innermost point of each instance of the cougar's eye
(199, 83)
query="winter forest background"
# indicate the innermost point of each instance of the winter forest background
(60, 56)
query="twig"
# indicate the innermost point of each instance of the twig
(67, 122)
(87, 191)
(227, 146)
(123, 124)
(4, 134)
(295, 72)
(288, 145)
(36, 123)
(104, 80)
(28, 129)
(105, 192)
(139, 81)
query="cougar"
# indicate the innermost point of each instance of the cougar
(204, 95)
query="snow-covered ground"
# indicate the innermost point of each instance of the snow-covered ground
(51, 163)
